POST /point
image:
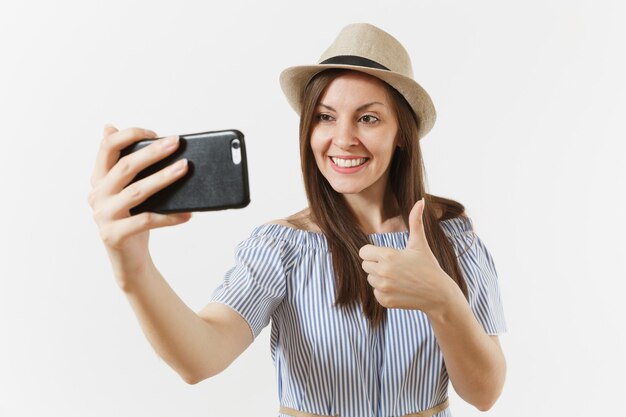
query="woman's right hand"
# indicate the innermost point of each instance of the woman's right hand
(124, 236)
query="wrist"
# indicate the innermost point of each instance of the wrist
(450, 298)
(128, 279)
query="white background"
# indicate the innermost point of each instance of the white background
(529, 137)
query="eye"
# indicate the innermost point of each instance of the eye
(323, 117)
(369, 119)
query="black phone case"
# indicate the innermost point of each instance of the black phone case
(213, 181)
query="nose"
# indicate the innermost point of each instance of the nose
(345, 135)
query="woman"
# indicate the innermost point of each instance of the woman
(370, 289)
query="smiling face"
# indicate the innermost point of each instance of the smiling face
(354, 134)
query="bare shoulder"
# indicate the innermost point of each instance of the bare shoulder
(300, 220)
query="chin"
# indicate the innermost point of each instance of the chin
(346, 189)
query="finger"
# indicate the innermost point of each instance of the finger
(383, 298)
(97, 173)
(372, 280)
(369, 266)
(112, 143)
(118, 231)
(139, 191)
(109, 129)
(130, 165)
(417, 234)
(375, 253)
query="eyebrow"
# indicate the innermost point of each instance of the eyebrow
(362, 107)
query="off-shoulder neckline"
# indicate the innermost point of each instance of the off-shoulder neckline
(451, 227)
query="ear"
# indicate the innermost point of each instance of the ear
(399, 144)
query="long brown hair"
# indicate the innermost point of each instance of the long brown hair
(336, 220)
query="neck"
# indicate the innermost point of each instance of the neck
(376, 212)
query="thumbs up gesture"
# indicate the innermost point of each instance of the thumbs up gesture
(409, 278)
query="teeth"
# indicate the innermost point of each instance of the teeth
(348, 163)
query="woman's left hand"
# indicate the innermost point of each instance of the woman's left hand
(409, 278)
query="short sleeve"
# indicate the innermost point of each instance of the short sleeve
(255, 286)
(481, 277)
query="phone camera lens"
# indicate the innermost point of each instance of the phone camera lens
(235, 144)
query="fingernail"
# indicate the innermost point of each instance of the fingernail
(169, 141)
(179, 166)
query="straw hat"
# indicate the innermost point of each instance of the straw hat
(365, 48)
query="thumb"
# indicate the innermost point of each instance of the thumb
(109, 129)
(417, 234)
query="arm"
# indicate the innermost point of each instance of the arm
(195, 345)
(413, 279)
(474, 360)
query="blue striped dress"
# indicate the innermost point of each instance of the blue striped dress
(328, 360)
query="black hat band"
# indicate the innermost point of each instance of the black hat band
(358, 61)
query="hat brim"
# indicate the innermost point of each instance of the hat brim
(293, 80)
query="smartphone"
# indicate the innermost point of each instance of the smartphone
(217, 176)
